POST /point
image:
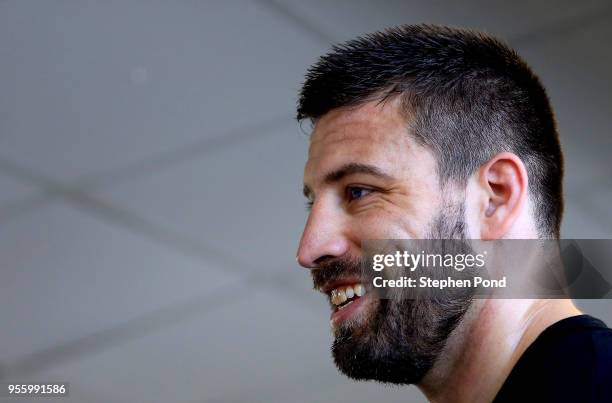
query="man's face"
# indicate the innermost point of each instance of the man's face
(367, 178)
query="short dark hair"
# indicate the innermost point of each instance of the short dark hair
(469, 96)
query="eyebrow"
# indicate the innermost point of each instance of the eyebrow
(346, 170)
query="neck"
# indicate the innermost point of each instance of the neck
(483, 349)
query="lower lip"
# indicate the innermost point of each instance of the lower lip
(340, 315)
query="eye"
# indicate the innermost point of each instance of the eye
(309, 204)
(357, 192)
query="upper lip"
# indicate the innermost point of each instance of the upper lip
(331, 285)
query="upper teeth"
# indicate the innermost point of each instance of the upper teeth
(341, 294)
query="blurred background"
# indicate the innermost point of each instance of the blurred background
(150, 185)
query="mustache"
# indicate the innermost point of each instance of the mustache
(336, 269)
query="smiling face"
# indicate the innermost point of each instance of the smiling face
(366, 178)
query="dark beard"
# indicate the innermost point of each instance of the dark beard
(402, 338)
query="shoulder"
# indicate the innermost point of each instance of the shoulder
(578, 341)
(570, 361)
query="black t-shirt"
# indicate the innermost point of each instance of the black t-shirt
(570, 361)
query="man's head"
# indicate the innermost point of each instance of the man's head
(419, 132)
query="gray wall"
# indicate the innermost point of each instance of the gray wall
(150, 175)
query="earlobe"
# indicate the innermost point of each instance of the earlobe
(504, 181)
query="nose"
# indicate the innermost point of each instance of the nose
(323, 237)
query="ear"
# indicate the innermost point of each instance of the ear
(503, 181)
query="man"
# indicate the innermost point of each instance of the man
(425, 132)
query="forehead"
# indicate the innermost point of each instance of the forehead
(374, 133)
(372, 122)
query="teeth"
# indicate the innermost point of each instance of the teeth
(335, 297)
(342, 294)
(332, 297)
(345, 305)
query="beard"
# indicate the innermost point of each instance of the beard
(397, 340)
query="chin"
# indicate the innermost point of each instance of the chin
(376, 347)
